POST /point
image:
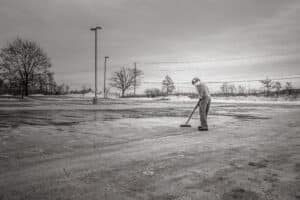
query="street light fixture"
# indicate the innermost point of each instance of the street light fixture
(95, 30)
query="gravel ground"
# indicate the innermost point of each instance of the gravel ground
(125, 149)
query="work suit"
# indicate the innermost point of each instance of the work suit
(204, 104)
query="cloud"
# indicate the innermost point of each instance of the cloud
(155, 30)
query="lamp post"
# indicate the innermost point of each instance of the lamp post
(134, 84)
(96, 71)
(104, 85)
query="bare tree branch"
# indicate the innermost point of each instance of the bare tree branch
(124, 79)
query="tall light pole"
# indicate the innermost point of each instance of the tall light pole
(134, 84)
(96, 71)
(104, 85)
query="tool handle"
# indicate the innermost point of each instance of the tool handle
(193, 112)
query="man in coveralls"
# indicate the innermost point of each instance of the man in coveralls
(204, 102)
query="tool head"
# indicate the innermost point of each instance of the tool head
(185, 125)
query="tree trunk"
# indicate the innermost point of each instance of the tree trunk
(26, 89)
(167, 91)
(21, 91)
(123, 93)
(41, 87)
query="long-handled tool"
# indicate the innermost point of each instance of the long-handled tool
(187, 122)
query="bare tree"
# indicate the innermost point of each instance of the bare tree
(289, 87)
(267, 83)
(67, 89)
(231, 89)
(228, 89)
(225, 88)
(2, 85)
(107, 91)
(60, 89)
(125, 79)
(51, 85)
(22, 60)
(152, 92)
(168, 85)
(11, 78)
(40, 82)
(241, 90)
(277, 87)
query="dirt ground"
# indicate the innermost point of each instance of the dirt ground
(125, 149)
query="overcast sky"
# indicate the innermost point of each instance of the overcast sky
(213, 39)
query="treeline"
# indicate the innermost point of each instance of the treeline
(41, 85)
(167, 88)
(270, 88)
(25, 69)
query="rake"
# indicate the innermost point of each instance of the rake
(187, 122)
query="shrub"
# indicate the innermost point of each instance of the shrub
(153, 92)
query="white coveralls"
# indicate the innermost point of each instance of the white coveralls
(204, 104)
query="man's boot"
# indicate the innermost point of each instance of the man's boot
(202, 129)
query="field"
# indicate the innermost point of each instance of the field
(64, 148)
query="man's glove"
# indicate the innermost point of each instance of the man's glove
(199, 102)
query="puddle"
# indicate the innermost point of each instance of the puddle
(240, 194)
